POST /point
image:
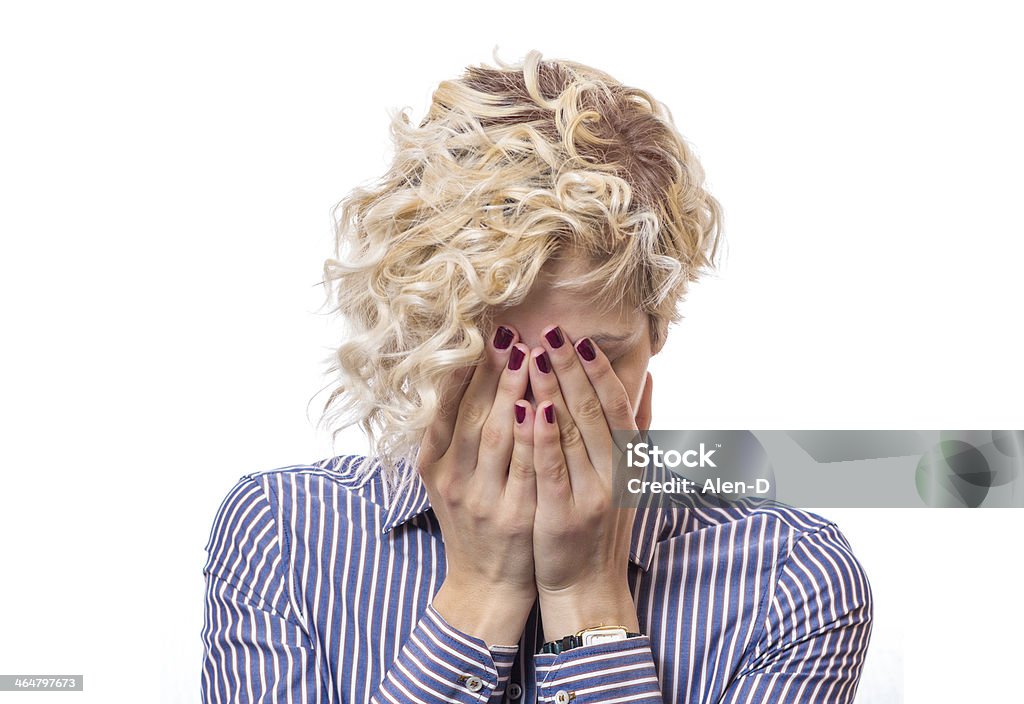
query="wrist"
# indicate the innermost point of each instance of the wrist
(574, 609)
(493, 614)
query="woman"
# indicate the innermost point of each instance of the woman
(482, 555)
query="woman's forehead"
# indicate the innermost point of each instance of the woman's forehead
(577, 317)
(574, 311)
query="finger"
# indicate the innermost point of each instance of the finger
(618, 409)
(467, 402)
(521, 487)
(475, 405)
(438, 435)
(496, 437)
(546, 388)
(554, 486)
(582, 403)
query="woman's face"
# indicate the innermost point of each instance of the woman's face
(622, 335)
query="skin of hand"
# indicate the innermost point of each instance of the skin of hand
(496, 569)
(581, 537)
(476, 464)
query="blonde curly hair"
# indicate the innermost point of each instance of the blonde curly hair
(511, 167)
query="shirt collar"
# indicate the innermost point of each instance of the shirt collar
(410, 500)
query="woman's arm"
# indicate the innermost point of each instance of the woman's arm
(255, 646)
(258, 646)
(816, 634)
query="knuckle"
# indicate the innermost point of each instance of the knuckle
(563, 490)
(491, 436)
(619, 406)
(450, 491)
(589, 410)
(554, 470)
(520, 468)
(557, 480)
(571, 436)
(473, 413)
(598, 504)
(562, 362)
(477, 507)
(599, 371)
(508, 385)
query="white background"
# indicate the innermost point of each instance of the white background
(166, 175)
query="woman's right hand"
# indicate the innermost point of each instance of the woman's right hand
(476, 462)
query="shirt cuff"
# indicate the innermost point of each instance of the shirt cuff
(456, 665)
(620, 670)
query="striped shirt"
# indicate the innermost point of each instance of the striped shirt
(319, 588)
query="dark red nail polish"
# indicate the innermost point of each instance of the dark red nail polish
(543, 363)
(549, 414)
(503, 337)
(586, 349)
(516, 360)
(520, 413)
(554, 337)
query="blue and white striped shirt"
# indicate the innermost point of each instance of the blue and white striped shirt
(319, 590)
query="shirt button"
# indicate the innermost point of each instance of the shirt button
(475, 684)
(561, 697)
(514, 691)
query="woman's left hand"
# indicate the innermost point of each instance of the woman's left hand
(582, 532)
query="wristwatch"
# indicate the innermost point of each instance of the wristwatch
(588, 636)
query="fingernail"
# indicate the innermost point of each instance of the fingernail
(554, 337)
(520, 413)
(516, 360)
(502, 337)
(586, 349)
(542, 362)
(549, 414)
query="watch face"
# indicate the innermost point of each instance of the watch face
(603, 635)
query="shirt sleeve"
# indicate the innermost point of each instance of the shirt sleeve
(613, 671)
(817, 629)
(254, 648)
(441, 664)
